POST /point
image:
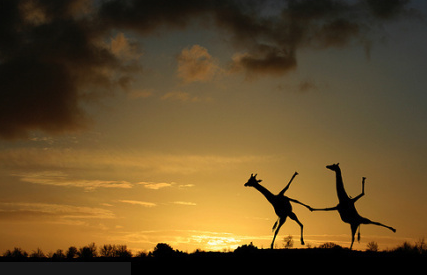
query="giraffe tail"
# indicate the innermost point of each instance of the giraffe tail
(275, 224)
(358, 235)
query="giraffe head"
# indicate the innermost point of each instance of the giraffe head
(252, 180)
(333, 167)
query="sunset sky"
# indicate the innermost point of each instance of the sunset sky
(138, 122)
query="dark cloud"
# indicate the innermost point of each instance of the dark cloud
(387, 9)
(268, 33)
(265, 60)
(54, 55)
(272, 43)
(148, 15)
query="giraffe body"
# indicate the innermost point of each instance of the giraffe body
(281, 204)
(346, 208)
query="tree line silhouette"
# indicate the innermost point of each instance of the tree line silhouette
(244, 259)
(164, 250)
(86, 252)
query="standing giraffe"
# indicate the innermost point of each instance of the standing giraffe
(280, 203)
(346, 207)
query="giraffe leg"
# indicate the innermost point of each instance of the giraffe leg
(367, 221)
(353, 232)
(281, 221)
(294, 217)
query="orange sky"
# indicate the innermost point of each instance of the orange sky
(144, 128)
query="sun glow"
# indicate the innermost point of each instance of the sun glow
(217, 243)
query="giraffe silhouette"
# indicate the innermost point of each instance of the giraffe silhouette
(346, 207)
(280, 203)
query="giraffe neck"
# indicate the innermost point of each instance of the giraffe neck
(342, 195)
(267, 194)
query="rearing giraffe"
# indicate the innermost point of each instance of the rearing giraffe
(280, 203)
(346, 207)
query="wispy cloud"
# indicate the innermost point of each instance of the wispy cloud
(151, 204)
(60, 211)
(186, 185)
(184, 97)
(141, 203)
(57, 178)
(141, 93)
(185, 203)
(54, 160)
(155, 185)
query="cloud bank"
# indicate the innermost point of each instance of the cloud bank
(57, 55)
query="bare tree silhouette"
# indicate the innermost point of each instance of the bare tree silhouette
(280, 203)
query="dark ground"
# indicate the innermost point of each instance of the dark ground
(280, 261)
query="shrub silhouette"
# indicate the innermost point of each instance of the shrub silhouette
(121, 251)
(16, 253)
(58, 255)
(330, 245)
(72, 252)
(88, 251)
(141, 254)
(372, 246)
(421, 246)
(107, 250)
(246, 248)
(407, 248)
(38, 253)
(288, 242)
(163, 250)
